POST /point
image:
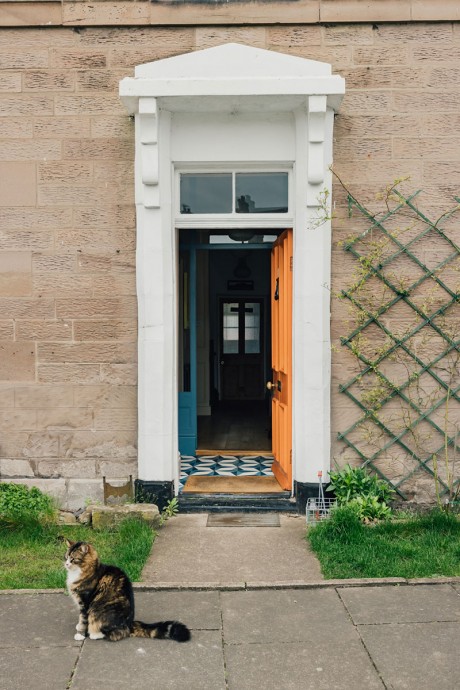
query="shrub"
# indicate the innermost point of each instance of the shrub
(19, 504)
(368, 493)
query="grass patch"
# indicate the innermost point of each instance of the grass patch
(32, 555)
(425, 546)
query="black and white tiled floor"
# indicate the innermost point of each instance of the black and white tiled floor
(225, 466)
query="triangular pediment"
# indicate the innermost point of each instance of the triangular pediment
(233, 61)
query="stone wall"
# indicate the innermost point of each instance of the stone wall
(67, 230)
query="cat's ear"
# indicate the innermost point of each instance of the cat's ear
(69, 543)
(84, 548)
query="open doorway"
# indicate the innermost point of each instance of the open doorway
(225, 353)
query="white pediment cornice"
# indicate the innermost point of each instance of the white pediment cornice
(231, 76)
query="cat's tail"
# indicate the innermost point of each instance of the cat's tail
(172, 630)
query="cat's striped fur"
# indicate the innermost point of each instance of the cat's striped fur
(104, 596)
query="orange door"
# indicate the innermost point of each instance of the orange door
(281, 384)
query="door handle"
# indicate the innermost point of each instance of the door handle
(222, 362)
(272, 387)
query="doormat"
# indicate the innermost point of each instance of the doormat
(243, 520)
(197, 484)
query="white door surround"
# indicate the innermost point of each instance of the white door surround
(239, 107)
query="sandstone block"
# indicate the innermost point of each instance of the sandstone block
(17, 361)
(50, 80)
(27, 58)
(34, 219)
(44, 330)
(15, 274)
(34, 149)
(81, 492)
(99, 80)
(20, 105)
(106, 330)
(99, 148)
(100, 444)
(18, 187)
(26, 308)
(110, 516)
(413, 32)
(40, 396)
(7, 330)
(281, 36)
(106, 396)
(111, 127)
(10, 82)
(373, 55)
(18, 128)
(207, 37)
(112, 218)
(67, 468)
(18, 420)
(119, 374)
(375, 11)
(77, 57)
(15, 468)
(65, 418)
(108, 104)
(69, 373)
(123, 307)
(350, 34)
(61, 127)
(25, 239)
(116, 419)
(85, 352)
(95, 238)
(66, 517)
(65, 172)
(108, 12)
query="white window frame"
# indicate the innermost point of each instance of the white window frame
(220, 221)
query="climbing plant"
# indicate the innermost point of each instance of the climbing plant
(403, 333)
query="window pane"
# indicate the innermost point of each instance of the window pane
(261, 192)
(252, 328)
(206, 193)
(230, 328)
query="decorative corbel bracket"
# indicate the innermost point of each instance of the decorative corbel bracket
(148, 138)
(317, 107)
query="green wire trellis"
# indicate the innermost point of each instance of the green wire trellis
(371, 411)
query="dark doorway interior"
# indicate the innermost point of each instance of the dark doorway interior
(236, 425)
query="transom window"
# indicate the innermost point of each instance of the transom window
(234, 192)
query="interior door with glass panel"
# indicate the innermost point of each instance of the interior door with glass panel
(281, 383)
(241, 349)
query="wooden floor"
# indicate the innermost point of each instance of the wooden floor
(242, 425)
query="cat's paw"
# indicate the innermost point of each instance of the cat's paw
(96, 636)
(78, 636)
(80, 627)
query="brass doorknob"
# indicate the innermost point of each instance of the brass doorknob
(270, 385)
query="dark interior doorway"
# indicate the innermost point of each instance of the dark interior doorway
(236, 425)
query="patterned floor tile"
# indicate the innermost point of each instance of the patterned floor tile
(225, 466)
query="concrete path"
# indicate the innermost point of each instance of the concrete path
(317, 638)
(186, 552)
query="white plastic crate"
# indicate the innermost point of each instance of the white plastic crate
(318, 509)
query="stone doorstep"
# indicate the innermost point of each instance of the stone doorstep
(103, 516)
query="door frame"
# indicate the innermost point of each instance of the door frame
(187, 428)
(211, 92)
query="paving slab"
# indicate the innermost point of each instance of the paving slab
(152, 664)
(405, 604)
(283, 616)
(187, 551)
(37, 620)
(418, 656)
(198, 610)
(315, 665)
(40, 668)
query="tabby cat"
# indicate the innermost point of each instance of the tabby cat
(104, 596)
